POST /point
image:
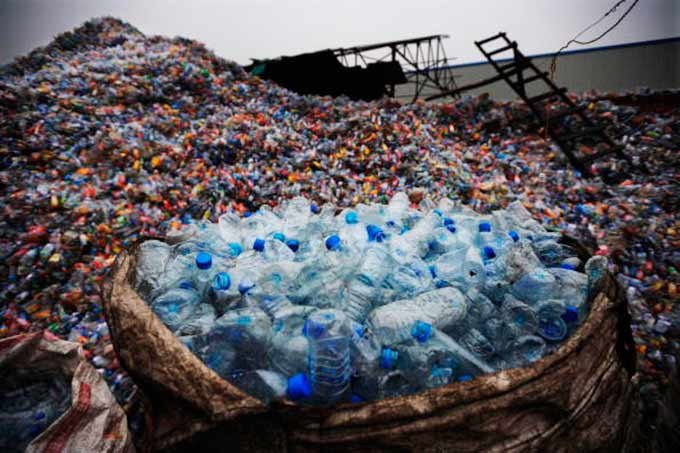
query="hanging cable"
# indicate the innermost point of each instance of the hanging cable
(575, 39)
(589, 27)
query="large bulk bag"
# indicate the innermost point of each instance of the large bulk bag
(92, 420)
(579, 398)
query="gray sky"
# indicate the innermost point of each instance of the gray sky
(241, 29)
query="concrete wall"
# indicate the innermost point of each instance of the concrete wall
(653, 65)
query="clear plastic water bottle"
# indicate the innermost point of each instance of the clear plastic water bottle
(199, 322)
(290, 347)
(475, 342)
(289, 353)
(352, 231)
(246, 332)
(176, 305)
(443, 308)
(573, 286)
(329, 356)
(519, 318)
(550, 252)
(551, 325)
(222, 294)
(462, 267)
(204, 272)
(427, 338)
(362, 290)
(535, 286)
(409, 279)
(398, 208)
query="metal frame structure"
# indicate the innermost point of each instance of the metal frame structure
(423, 59)
(514, 75)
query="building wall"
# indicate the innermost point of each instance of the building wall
(654, 65)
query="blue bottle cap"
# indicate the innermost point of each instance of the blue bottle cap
(247, 214)
(441, 284)
(464, 378)
(258, 245)
(186, 284)
(333, 242)
(552, 329)
(351, 218)
(356, 399)
(391, 223)
(568, 266)
(314, 208)
(293, 244)
(513, 234)
(279, 236)
(433, 271)
(244, 320)
(298, 387)
(318, 323)
(448, 221)
(235, 249)
(484, 227)
(221, 281)
(203, 260)
(388, 358)
(375, 233)
(489, 252)
(421, 331)
(245, 286)
(570, 314)
(451, 228)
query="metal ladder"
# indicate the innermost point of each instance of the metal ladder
(514, 75)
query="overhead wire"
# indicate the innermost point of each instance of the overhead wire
(575, 39)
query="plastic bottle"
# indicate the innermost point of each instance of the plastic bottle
(245, 332)
(222, 293)
(518, 317)
(204, 272)
(429, 346)
(442, 308)
(329, 356)
(362, 290)
(551, 325)
(535, 286)
(176, 305)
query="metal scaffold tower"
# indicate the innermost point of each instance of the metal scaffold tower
(423, 61)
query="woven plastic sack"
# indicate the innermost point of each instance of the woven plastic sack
(579, 398)
(93, 422)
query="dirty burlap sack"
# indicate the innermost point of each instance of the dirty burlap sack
(579, 398)
(92, 422)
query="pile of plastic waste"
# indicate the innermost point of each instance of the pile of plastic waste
(376, 301)
(108, 135)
